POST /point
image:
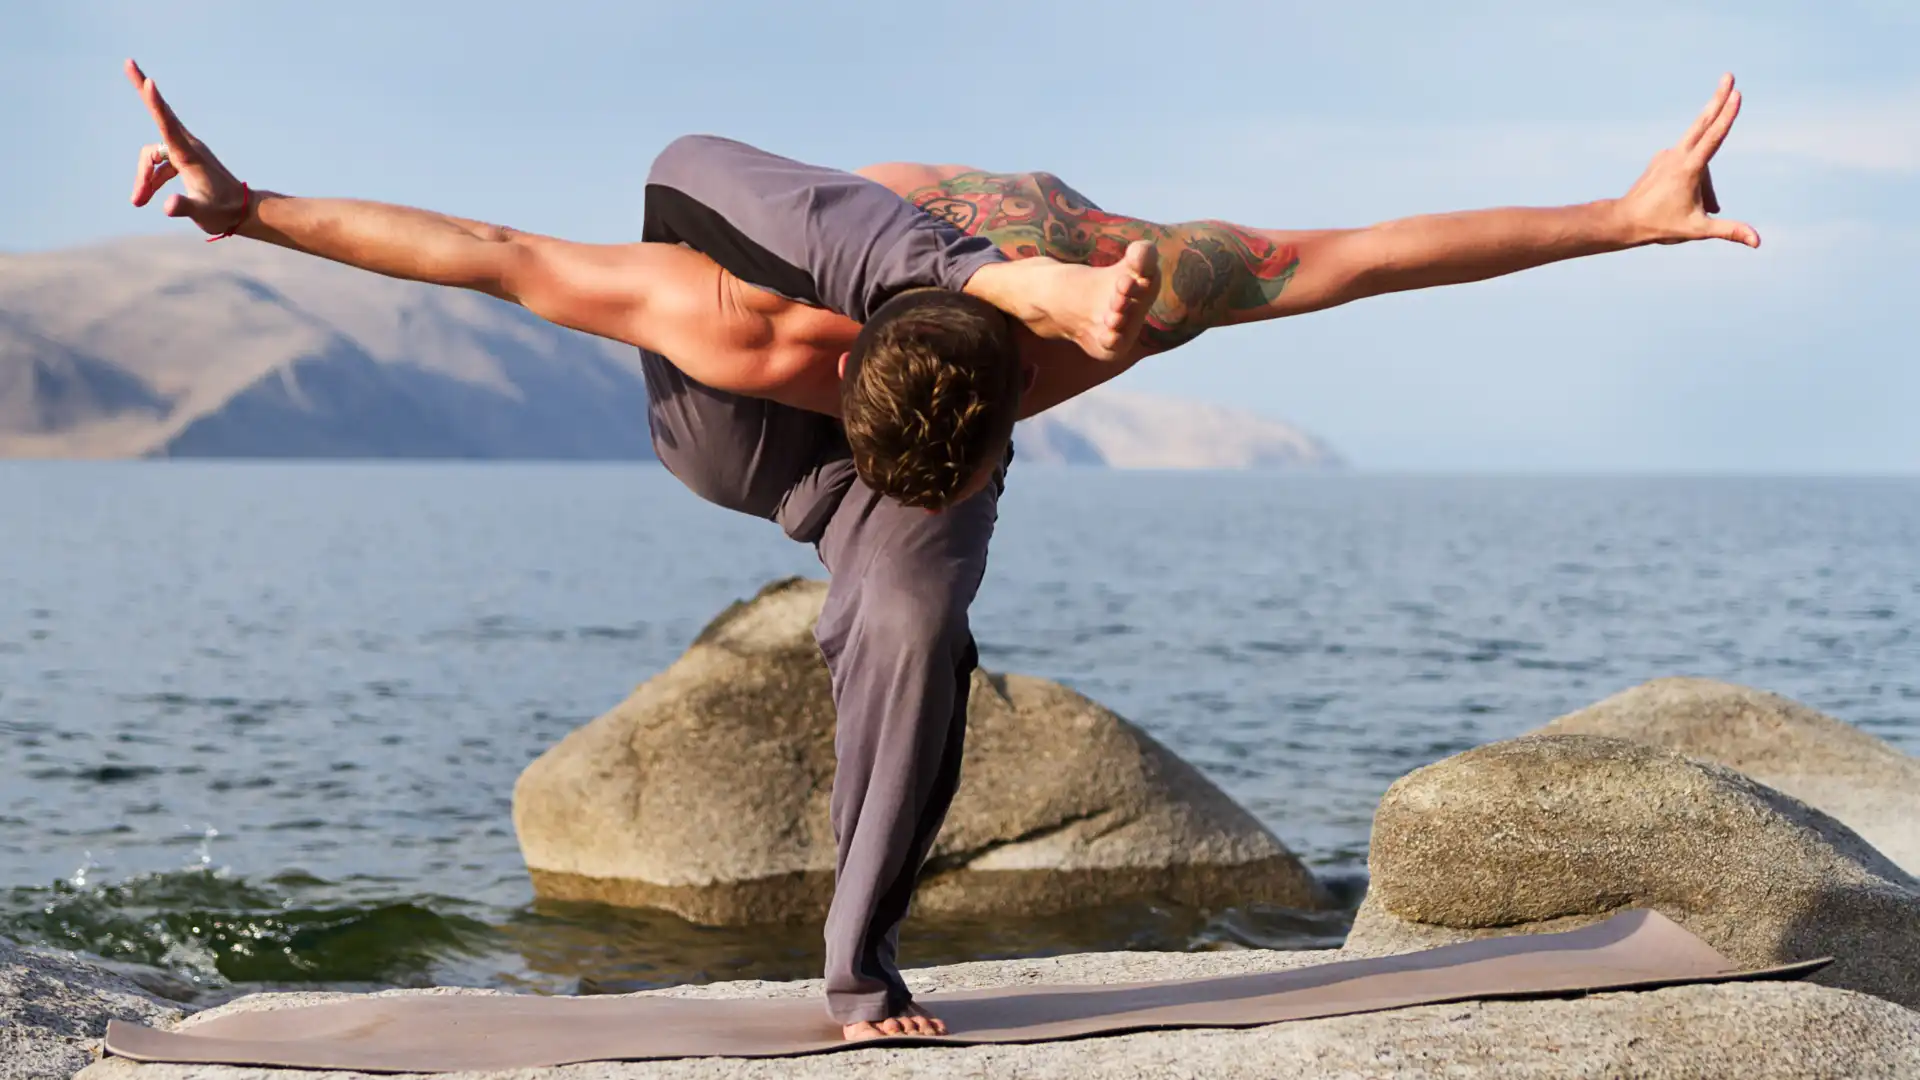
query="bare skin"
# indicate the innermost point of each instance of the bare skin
(914, 1021)
(1102, 313)
(1216, 273)
(1095, 291)
(591, 287)
(734, 337)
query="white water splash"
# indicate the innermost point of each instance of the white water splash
(204, 853)
(87, 865)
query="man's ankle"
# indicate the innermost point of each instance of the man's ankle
(1011, 287)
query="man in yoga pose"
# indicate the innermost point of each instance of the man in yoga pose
(837, 366)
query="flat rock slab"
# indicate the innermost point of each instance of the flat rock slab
(1736, 1031)
(453, 1033)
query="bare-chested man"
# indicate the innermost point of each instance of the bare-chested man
(817, 352)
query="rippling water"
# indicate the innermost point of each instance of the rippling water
(259, 723)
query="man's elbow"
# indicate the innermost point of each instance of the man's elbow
(1340, 268)
(511, 267)
(525, 270)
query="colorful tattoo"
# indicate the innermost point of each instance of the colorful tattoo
(1210, 269)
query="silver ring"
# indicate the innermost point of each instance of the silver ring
(160, 155)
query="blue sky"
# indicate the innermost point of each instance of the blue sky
(1799, 357)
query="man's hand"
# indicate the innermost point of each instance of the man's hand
(212, 198)
(1671, 201)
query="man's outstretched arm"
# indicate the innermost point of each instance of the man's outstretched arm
(656, 296)
(1216, 273)
(1671, 203)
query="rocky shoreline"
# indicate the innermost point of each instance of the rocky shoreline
(1771, 831)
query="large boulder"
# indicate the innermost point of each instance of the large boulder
(706, 793)
(1869, 784)
(54, 1010)
(1733, 1031)
(1551, 831)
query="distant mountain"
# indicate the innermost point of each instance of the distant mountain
(1122, 430)
(163, 347)
(167, 347)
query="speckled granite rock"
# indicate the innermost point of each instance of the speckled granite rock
(1870, 785)
(706, 794)
(54, 1009)
(1553, 831)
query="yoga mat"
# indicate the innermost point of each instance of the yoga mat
(447, 1033)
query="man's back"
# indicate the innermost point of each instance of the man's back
(1025, 215)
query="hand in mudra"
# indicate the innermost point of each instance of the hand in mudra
(1671, 201)
(209, 195)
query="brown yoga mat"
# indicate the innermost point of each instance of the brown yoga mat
(451, 1032)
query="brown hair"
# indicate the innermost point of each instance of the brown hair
(930, 396)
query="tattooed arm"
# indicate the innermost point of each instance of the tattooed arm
(1210, 270)
(1217, 274)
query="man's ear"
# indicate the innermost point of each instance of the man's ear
(842, 368)
(1029, 374)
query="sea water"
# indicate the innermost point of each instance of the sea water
(260, 722)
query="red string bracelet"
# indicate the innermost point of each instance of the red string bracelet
(246, 201)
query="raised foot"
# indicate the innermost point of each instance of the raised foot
(913, 1020)
(1101, 309)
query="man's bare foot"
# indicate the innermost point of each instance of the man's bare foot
(1101, 309)
(913, 1020)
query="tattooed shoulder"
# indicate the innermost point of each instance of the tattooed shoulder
(1211, 270)
(1028, 214)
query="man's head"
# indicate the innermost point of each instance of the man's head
(929, 396)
